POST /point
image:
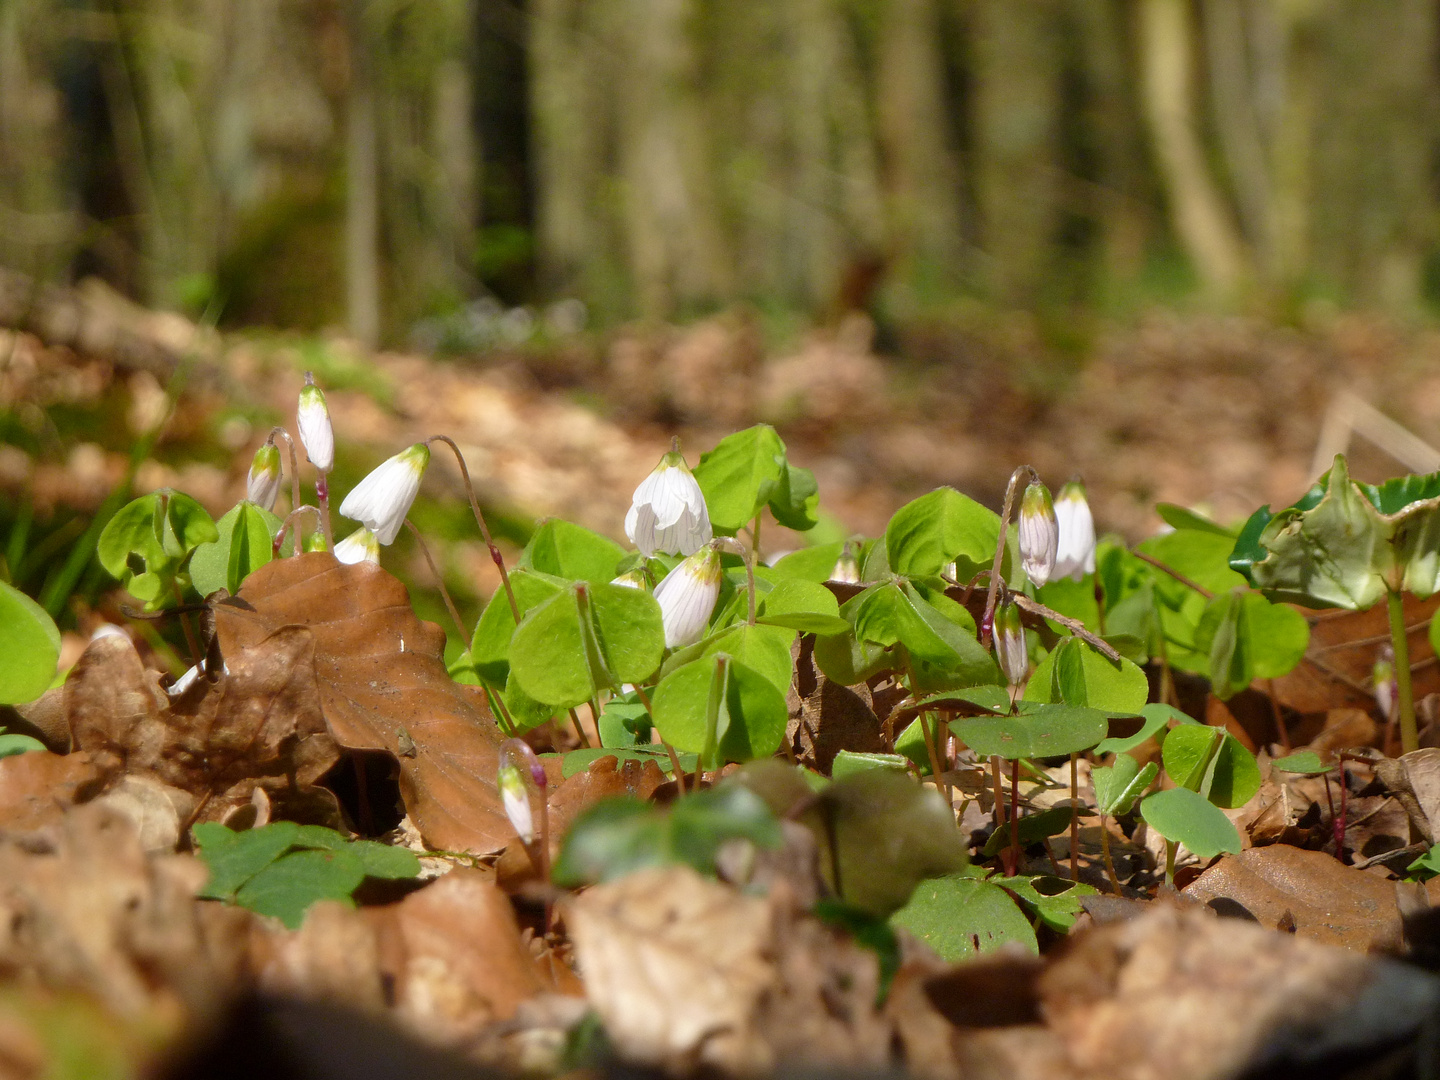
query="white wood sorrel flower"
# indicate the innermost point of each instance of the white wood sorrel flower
(360, 546)
(516, 760)
(687, 597)
(381, 501)
(1010, 645)
(263, 483)
(1075, 552)
(1039, 534)
(313, 420)
(667, 512)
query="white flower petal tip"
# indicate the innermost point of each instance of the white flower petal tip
(263, 484)
(316, 433)
(1039, 534)
(360, 546)
(381, 501)
(1010, 648)
(1075, 550)
(687, 597)
(515, 797)
(667, 512)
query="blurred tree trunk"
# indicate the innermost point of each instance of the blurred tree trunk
(39, 228)
(362, 194)
(1197, 212)
(1017, 70)
(921, 171)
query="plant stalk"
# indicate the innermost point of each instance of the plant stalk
(1170, 846)
(1405, 698)
(439, 579)
(1074, 817)
(1015, 816)
(987, 624)
(495, 555)
(322, 496)
(1105, 854)
(295, 502)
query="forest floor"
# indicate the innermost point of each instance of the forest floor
(110, 966)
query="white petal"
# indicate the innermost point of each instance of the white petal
(645, 537)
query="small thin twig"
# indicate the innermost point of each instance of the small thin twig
(440, 580)
(495, 555)
(1187, 582)
(579, 730)
(1073, 625)
(991, 594)
(1377, 639)
(295, 502)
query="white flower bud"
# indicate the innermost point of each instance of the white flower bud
(313, 420)
(381, 501)
(1010, 648)
(360, 546)
(687, 597)
(1075, 551)
(847, 567)
(667, 512)
(263, 483)
(635, 579)
(515, 797)
(1386, 687)
(1039, 534)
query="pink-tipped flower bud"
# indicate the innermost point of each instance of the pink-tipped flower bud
(1010, 648)
(1039, 534)
(517, 762)
(263, 484)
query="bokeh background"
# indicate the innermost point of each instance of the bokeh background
(1186, 248)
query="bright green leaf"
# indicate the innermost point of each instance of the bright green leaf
(804, 606)
(815, 564)
(720, 699)
(796, 499)
(233, 858)
(1119, 785)
(1045, 731)
(741, 475)
(1185, 817)
(566, 550)
(960, 916)
(246, 542)
(928, 533)
(30, 645)
(852, 761)
(1157, 716)
(1077, 674)
(287, 887)
(1305, 763)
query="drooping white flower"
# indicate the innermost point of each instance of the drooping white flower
(360, 546)
(847, 567)
(667, 511)
(1075, 551)
(313, 420)
(381, 501)
(687, 597)
(1386, 687)
(263, 483)
(1039, 534)
(1010, 648)
(515, 797)
(516, 760)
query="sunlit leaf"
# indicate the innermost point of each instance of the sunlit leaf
(960, 916)
(1188, 818)
(29, 645)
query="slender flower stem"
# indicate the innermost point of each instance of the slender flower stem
(755, 536)
(480, 520)
(579, 730)
(190, 641)
(1074, 817)
(1405, 698)
(1015, 815)
(295, 502)
(1105, 854)
(502, 715)
(297, 548)
(675, 764)
(999, 793)
(322, 496)
(988, 622)
(439, 580)
(1170, 846)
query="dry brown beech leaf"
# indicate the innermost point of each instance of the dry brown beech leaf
(1328, 901)
(257, 721)
(378, 668)
(36, 788)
